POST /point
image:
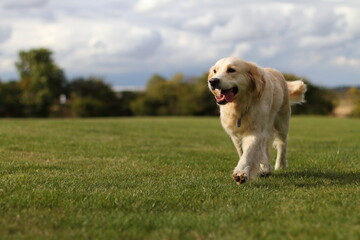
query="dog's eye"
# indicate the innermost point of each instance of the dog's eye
(214, 70)
(230, 70)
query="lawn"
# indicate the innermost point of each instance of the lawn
(170, 178)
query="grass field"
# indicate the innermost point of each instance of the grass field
(170, 178)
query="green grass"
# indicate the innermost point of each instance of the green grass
(170, 178)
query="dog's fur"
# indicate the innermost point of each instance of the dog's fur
(256, 112)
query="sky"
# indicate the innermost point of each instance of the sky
(128, 41)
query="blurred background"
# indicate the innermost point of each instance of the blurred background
(75, 58)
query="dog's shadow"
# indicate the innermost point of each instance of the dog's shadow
(314, 179)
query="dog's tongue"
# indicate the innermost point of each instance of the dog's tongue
(227, 95)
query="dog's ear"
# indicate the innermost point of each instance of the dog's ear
(257, 80)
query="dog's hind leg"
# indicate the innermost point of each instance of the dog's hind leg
(265, 167)
(280, 143)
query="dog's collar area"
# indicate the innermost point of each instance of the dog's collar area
(238, 123)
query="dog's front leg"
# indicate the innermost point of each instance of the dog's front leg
(252, 151)
(238, 144)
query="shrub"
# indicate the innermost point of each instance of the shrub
(87, 107)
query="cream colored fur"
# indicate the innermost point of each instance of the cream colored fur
(262, 109)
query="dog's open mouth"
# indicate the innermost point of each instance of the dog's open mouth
(227, 95)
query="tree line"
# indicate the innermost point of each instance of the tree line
(44, 91)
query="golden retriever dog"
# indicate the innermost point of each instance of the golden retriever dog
(254, 110)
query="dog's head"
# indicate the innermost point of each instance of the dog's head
(232, 77)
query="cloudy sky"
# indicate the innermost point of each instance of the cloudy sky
(126, 41)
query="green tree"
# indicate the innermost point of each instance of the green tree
(92, 97)
(165, 97)
(203, 100)
(126, 98)
(176, 96)
(10, 100)
(354, 94)
(88, 107)
(41, 81)
(92, 87)
(151, 101)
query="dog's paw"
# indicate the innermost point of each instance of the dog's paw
(240, 177)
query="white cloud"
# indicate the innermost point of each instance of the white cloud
(241, 49)
(251, 24)
(269, 51)
(149, 5)
(322, 41)
(332, 29)
(320, 21)
(6, 64)
(200, 23)
(24, 3)
(147, 36)
(5, 33)
(345, 61)
(88, 44)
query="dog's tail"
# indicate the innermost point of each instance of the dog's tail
(297, 91)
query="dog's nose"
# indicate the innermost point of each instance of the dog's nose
(214, 82)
